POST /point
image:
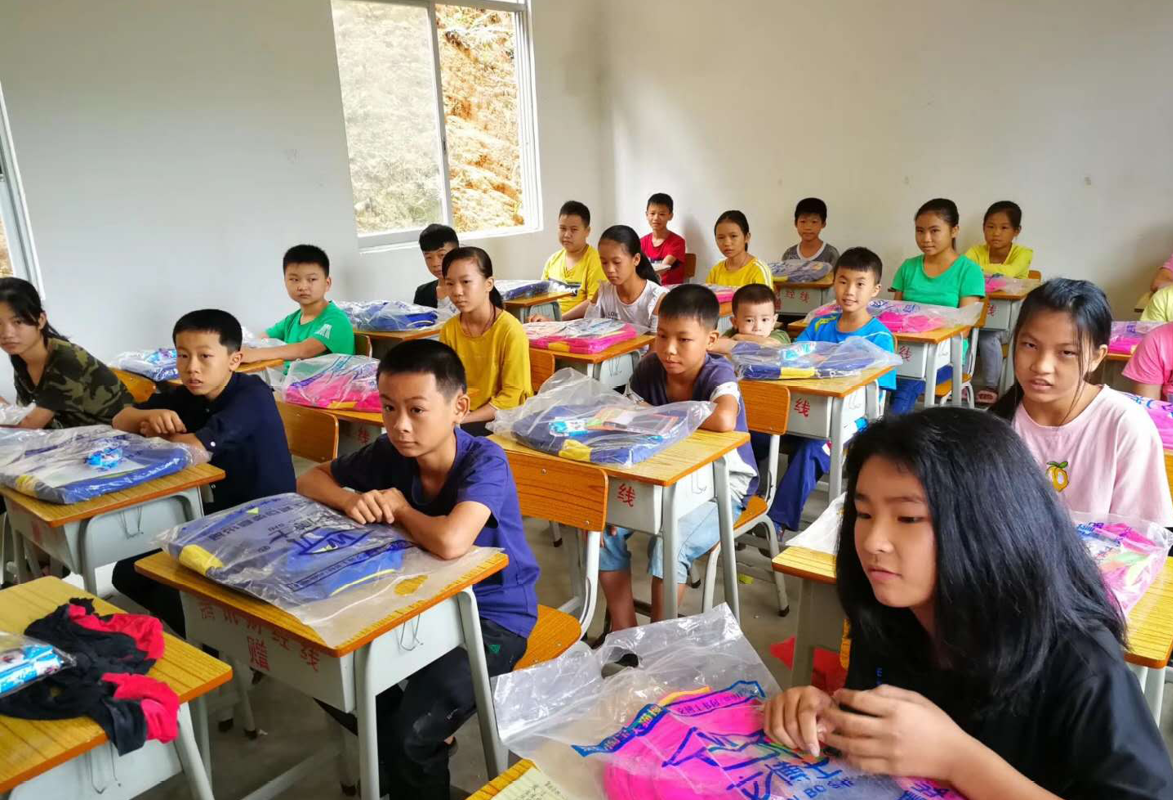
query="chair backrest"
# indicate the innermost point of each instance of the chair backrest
(1034, 274)
(541, 366)
(362, 345)
(311, 432)
(544, 490)
(140, 388)
(767, 406)
(689, 266)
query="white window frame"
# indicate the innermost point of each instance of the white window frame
(14, 210)
(527, 127)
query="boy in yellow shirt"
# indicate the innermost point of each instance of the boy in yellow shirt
(577, 263)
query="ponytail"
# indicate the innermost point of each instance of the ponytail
(628, 239)
(495, 298)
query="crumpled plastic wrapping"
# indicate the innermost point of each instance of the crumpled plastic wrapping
(336, 382)
(759, 362)
(250, 339)
(901, 316)
(1129, 552)
(391, 315)
(158, 365)
(13, 414)
(516, 289)
(25, 660)
(580, 335)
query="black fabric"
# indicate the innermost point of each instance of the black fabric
(80, 691)
(425, 295)
(162, 601)
(1085, 732)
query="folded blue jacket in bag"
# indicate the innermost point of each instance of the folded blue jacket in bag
(158, 365)
(757, 362)
(388, 315)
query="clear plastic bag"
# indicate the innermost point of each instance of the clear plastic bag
(76, 464)
(13, 414)
(822, 535)
(515, 289)
(334, 381)
(799, 270)
(158, 365)
(1161, 413)
(576, 417)
(1126, 336)
(25, 660)
(336, 576)
(759, 362)
(724, 293)
(900, 316)
(1001, 283)
(1129, 552)
(685, 724)
(250, 339)
(580, 335)
(390, 315)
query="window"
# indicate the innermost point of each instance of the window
(16, 253)
(438, 105)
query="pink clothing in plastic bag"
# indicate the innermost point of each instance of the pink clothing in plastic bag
(335, 382)
(1161, 413)
(724, 293)
(1127, 335)
(898, 322)
(580, 335)
(1130, 554)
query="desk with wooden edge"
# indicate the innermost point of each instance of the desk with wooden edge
(802, 298)
(382, 341)
(593, 363)
(356, 429)
(522, 307)
(503, 781)
(73, 758)
(653, 495)
(1142, 302)
(1003, 316)
(109, 528)
(351, 675)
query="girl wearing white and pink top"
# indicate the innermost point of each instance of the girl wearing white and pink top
(1100, 449)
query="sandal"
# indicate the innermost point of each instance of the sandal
(987, 397)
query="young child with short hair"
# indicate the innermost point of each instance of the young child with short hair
(449, 491)
(754, 320)
(318, 326)
(663, 246)
(436, 241)
(810, 217)
(739, 267)
(231, 416)
(576, 263)
(679, 368)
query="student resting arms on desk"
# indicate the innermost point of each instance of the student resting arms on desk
(1101, 451)
(450, 491)
(992, 664)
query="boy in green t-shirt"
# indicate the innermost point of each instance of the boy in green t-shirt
(318, 326)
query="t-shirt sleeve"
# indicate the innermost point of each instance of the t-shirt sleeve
(972, 255)
(831, 255)
(761, 274)
(277, 330)
(973, 281)
(1152, 363)
(231, 426)
(1141, 487)
(791, 253)
(713, 277)
(515, 371)
(334, 330)
(781, 336)
(486, 481)
(900, 279)
(675, 247)
(592, 275)
(358, 470)
(1159, 307)
(72, 376)
(807, 334)
(425, 295)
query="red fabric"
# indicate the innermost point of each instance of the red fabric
(672, 246)
(826, 673)
(146, 631)
(158, 701)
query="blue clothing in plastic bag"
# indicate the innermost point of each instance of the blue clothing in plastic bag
(76, 464)
(287, 547)
(158, 365)
(758, 362)
(389, 315)
(516, 289)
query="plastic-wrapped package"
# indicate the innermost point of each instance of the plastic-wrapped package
(580, 335)
(686, 724)
(334, 381)
(515, 289)
(576, 417)
(13, 414)
(158, 365)
(724, 293)
(900, 316)
(250, 339)
(76, 464)
(1129, 552)
(24, 660)
(336, 576)
(1001, 283)
(759, 362)
(1127, 335)
(389, 315)
(799, 270)
(822, 535)
(1161, 412)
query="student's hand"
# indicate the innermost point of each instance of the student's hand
(896, 732)
(162, 422)
(795, 718)
(373, 506)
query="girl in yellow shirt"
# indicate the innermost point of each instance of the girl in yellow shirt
(490, 342)
(1000, 255)
(738, 268)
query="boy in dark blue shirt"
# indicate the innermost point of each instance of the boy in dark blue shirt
(450, 491)
(232, 417)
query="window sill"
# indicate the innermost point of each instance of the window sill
(474, 236)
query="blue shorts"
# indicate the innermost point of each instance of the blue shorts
(696, 533)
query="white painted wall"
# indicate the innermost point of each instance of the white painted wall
(1062, 106)
(171, 151)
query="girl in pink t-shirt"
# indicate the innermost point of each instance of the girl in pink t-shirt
(1100, 450)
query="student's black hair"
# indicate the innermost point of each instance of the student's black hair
(691, 301)
(1007, 207)
(306, 254)
(737, 218)
(860, 259)
(484, 263)
(1090, 312)
(427, 357)
(436, 236)
(573, 208)
(626, 237)
(661, 199)
(1014, 580)
(811, 205)
(211, 320)
(752, 294)
(22, 297)
(944, 208)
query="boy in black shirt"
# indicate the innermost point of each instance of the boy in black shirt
(435, 242)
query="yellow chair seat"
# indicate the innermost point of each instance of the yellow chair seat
(555, 633)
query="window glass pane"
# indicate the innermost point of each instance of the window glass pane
(5, 255)
(389, 103)
(479, 78)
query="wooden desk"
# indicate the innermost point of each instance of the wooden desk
(522, 307)
(57, 759)
(245, 369)
(348, 676)
(503, 781)
(654, 495)
(1003, 316)
(382, 341)
(593, 363)
(87, 535)
(1142, 302)
(356, 429)
(803, 298)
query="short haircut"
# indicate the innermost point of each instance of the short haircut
(811, 205)
(573, 208)
(690, 300)
(861, 259)
(752, 294)
(662, 199)
(211, 320)
(306, 254)
(436, 236)
(427, 357)
(1007, 207)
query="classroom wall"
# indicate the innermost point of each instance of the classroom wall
(172, 150)
(1062, 106)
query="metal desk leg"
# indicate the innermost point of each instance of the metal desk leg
(368, 734)
(199, 714)
(595, 370)
(871, 401)
(835, 477)
(470, 623)
(804, 651)
(930, 378)
(189, 757)
(955, 348)
(670, 529)
(557, 311)
(725, 520)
